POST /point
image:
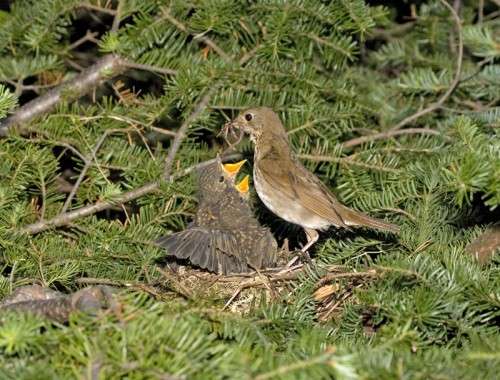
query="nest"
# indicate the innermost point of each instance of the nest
(238, 292)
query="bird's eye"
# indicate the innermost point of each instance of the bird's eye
(248, 117)
(221, 179)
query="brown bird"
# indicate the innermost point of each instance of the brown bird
(224, 236)
(287, 188)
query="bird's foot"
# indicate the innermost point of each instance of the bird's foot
(303, 256)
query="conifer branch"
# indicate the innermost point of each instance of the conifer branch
(347, 161)
(454, 84)
(106, 67)
(86, 167)
(334, 276)
(386, 135)
(96, 8)
(181, 133)
(326, 358)
(154, 69)
(206, 40)
(80, 85)
(69, 217)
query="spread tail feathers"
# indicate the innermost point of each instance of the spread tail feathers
(356, 218)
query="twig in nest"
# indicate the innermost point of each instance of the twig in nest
(176, 284)
(259, 280)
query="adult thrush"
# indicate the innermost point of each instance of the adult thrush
(224, 236)
(287, 188)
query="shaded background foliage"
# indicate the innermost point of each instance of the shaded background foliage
(335, 71)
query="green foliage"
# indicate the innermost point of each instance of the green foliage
(7, 101)
(333, 71)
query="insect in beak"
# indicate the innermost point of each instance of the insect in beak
(229, 129)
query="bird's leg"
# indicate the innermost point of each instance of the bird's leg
(312, 237)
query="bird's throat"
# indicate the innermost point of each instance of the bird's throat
(273, 146)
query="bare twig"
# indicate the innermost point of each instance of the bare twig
(248, 55)
(88, 37)
(20, 86)
(260, 280)
(86, 167)
(69, 217)
(386, 135)
(118, 15)
(63, 144)
(456, 80)
(176, 284)
(70, 90)
(181, 132)
(162, 131)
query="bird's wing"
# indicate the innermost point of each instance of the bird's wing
(299, 185)
(193, 244)
(349, 216)
(212, 249)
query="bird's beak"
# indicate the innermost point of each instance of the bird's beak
(238, 123)
(232, 169)
(244, 185)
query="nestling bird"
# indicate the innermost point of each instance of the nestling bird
(287, 188)
(224, 236)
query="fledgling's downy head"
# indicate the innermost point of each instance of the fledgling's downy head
(257, 122)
